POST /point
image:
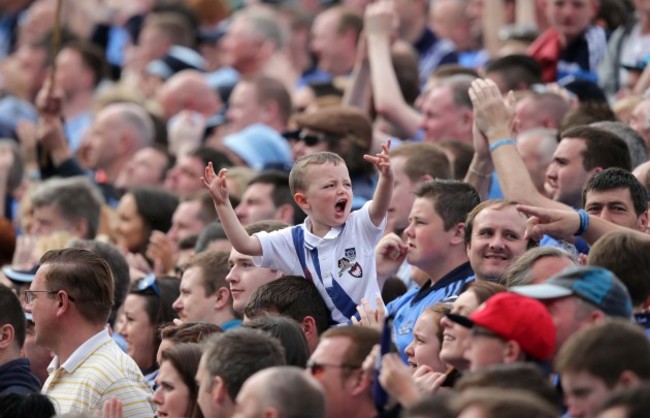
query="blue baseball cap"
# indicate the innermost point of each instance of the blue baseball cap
(595, 285)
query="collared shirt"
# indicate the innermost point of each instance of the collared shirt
(235, 323)
(407, 308)
(95, 372)
(341, 264)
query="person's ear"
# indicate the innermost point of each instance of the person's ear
(512, 352)
(80, 227)
(7, 336)
(270, 412)
(301, 201)
(309, 328)
(458, 237)
(642, 221)
(218, 392)
(222, 299)
(596, 316)
(628, 379)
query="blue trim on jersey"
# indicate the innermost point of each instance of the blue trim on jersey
(409, 306)
(340, 298)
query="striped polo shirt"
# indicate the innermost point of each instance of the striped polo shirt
(96, 371)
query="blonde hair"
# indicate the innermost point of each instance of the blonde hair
(298, 177)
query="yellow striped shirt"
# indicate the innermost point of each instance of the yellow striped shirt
(96, 371)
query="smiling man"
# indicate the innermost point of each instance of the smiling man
(494, 237)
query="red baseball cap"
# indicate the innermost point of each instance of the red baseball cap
(518, 318)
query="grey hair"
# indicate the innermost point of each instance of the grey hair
(136, 118)
(263, 25)
(519, 273)
(74, 197)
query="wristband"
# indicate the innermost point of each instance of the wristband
(501, 142)
(584, 222)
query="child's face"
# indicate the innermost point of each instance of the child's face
(328, 198)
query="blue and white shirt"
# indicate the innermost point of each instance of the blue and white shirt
(341, 264)
(407, 308)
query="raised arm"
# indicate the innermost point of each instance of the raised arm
(384, 191)
(237, 235)
(356, 91)
(563, 224)
(380, 19)
(493, 118)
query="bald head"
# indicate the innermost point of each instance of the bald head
(188, 90)
(536, 147)
(286, 390)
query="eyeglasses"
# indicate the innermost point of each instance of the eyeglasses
(148, 282)
(317, 369)
(30, 295)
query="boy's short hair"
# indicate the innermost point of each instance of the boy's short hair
(605, 351)
(298, 176)
(451, 199)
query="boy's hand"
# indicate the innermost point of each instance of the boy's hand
(382, 160)
(216, 184)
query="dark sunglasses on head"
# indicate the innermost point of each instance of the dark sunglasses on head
(148, 282)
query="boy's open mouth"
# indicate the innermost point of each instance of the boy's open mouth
(340, 205)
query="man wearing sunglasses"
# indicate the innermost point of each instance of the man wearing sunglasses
(336, 364)
(70, 300)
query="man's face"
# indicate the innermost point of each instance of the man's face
(47, 219)
(145, 168)
(426, 238)
(535, 158)
(325, 40)
(185, 221)
(104, 137)
(43, 309)
(204, 398)
(567, 318)
(184, 179)
(152, 44)
(583, 393)
(442, 118)
(244, 278)
(403, 197)
(571, 17)
(244, 108)
(526, 115)
(566, 174)
(256, 204)
(484, 349)
(70, 71)
(497, 240)
(615, 206)
(336, 381)
(240, 48)
(193, 305)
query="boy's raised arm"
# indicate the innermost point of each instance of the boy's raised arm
(384, 191)
(237, 235)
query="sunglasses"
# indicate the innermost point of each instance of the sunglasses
(311, 139)
(317, 369)
(146, 283)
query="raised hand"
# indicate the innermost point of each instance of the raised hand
(390, 253)
(381, 18)
(560, 224)
(492, 114)
(382, 160)
(216, 184)
(372, 318)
